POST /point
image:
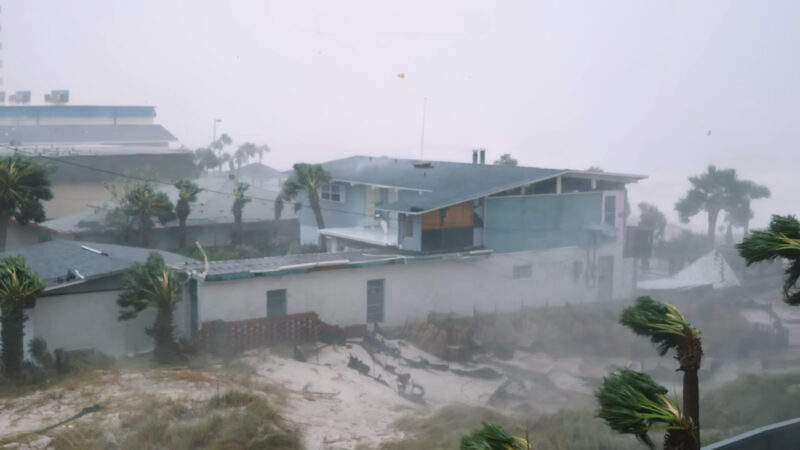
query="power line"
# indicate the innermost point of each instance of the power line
(167, 183)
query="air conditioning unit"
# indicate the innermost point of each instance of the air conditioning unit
(57, 97)
(23, 97)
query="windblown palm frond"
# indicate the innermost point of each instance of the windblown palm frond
(662, 322)
(780, 240)
(632, 403)
(492, 437)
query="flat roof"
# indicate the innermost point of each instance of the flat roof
(84, 134)
(77, 111)
(293, 264)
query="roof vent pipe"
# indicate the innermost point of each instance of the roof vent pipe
(483, 156)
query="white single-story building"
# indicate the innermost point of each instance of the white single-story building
(354, 288)
(78, 309)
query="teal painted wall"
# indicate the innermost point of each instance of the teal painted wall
(538, 222)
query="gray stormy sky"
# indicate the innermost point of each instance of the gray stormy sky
(629, 86)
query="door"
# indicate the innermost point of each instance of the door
(375, 301)
(605, 277)
(276, 303)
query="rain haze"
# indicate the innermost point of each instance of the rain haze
(657, 88)
(371, 225)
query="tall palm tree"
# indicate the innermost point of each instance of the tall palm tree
(668, 329)
(187, 194)
(144, 203)
(19, 287)
(23, 186)
(780, 240)
(632, 403)
(152, 285)
(308, 178)
(239, 200)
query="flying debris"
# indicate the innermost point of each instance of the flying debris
(708, 132)
(401, 75)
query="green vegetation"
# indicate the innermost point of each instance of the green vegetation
(239, 201)
(717, 190)
(187, 194)
(23, 186)
(492, 437)
(668, 330)
(308, 178)
(19, 287)
(564, 430)
(139, 204)
(505, 160)
(152, 285)
(632, 403)
(780, 240)
(233, 420)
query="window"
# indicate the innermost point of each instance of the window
(332, 192)
(408, 226)
(610, 210)
(375, 301)
(521, 271)
(276, 303)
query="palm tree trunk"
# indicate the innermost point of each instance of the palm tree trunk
(143, 238)
(164, 350)
(712, 226)
(313, 199)
(13, 331)
(690, 354)
(181, 233)
(5, 218)
(679, 440)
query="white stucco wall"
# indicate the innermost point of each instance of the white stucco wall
(413, 290)
(89, 320)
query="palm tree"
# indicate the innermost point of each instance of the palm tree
(187, 194)
(152, 285)
(632, 403)
(23, 186)
(668, 329)
(719, 190)
(19, 287)
(780, 240)
(309, 178)
(143, 202)
(492, 437)
(239, 200)
(505, 160)
(206, 159)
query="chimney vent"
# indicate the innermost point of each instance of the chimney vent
(475, 156)
(483, 156)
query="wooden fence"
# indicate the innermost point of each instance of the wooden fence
(240, 335)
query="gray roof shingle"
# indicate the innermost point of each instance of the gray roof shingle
(53, 259)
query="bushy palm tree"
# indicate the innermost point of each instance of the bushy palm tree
(143, 203)
(239, 200)
(633, 403)
(152, 285)
(23, 186)
(780, 240)
(19, 287)
(187, 194)
(206, 159)
(308, 178)
(668, 330)
(492, 437)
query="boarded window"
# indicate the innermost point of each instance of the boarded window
(375, 301)
(610, 210)
(276, 303)
(521, 271)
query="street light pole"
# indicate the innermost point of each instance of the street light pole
(216, 121)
